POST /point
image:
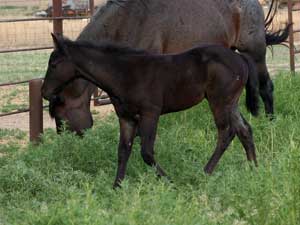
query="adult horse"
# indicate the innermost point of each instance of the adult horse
(161, 27)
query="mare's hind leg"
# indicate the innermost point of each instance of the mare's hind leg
(127, 134)
(266, 87)
(256, 48)
(147, 131)
(244, 133)
(226, 133)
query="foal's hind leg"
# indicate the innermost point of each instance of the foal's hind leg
(147, 130)
(225, 135)
(244, 133)
(127, 134)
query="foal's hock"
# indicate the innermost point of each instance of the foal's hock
(143, 86)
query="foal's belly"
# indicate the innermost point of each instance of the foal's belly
(182, 100)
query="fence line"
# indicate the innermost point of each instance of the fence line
(18, 82)
(35, 99)
(46, 18)
(101, 100)
(36, 107)
(292, 31)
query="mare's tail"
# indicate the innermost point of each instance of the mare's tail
(252, 86)
(276, 37)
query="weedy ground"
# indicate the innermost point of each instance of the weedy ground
(68, 180)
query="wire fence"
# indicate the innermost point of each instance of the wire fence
(21, 35)
(25, 45)
(294, 33)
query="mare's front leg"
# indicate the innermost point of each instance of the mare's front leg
(127, 134)
(147, 130)
(226, 133)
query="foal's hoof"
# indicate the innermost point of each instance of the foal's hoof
(117, 185)
(208, 170)
(270, 116)
(253, 165)
(166, 179)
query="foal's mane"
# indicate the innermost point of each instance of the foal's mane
(106, 47)
(122, 2)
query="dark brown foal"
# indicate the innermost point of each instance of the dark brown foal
(143, 86)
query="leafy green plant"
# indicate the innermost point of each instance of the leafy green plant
(68, 180)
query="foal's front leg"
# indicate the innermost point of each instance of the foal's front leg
(127, 134)
(147, 129)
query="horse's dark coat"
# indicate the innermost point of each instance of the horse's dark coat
(161, 27)
(143, 86)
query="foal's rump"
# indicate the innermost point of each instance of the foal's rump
(225, 84)
(230, 70)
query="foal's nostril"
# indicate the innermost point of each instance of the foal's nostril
(58, 100)
(45, 95)
(53, 98)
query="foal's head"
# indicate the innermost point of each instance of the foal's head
(68, 102)
(60, 70)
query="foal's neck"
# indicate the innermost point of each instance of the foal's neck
(107, 71)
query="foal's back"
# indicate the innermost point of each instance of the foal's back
(209, 71)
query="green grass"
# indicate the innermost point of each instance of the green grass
(23, 65)
(68, 180)
(19, 11)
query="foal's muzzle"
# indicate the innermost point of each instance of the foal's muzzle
(55, 100)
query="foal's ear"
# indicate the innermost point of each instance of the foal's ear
(59, 44)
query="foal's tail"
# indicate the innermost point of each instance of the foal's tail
(252, 90)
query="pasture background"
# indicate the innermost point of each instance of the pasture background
(67, 180)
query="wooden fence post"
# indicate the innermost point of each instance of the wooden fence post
(36, 110)
(57, 12)
(91, 6)
(291, 37)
